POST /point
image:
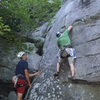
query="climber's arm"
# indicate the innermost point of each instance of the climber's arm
(68, 29)
(35, 74)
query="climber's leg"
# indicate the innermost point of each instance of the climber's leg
(58, 66)
(20, 95)
(72, 67)
(58, 70)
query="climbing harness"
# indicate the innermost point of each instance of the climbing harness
(15, 80)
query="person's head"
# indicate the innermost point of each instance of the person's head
(58, 34)
(22, 55)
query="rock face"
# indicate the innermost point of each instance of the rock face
(38, 37)
(84, 15)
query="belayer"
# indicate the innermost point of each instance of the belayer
(65, 50)
(22, 75)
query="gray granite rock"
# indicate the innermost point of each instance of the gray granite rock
(85, 37)
(12, 96)
(84, 15)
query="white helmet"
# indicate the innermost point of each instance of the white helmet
(20, 54)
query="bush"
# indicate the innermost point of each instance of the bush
(20, 16)
(26, 15)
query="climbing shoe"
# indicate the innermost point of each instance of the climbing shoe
(56, 74)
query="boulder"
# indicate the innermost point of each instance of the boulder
(41, 31)
(38, 37)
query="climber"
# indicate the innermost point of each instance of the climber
(65, 50)
(23, 75)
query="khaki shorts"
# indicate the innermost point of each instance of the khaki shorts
(70, 60)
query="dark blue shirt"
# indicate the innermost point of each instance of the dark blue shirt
(20, 68)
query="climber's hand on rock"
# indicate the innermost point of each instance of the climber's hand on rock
(35, 74)
(38, 73)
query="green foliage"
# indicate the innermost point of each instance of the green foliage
(24, 47)
(3, 28)
(20, 16)
(26, 15)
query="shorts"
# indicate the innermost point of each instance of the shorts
(19, 88)
(70, 58)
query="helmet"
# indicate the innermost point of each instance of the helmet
(58, 34)
(20, 54)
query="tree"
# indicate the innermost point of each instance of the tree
(20, 16)
(23, 15)
(3, 28)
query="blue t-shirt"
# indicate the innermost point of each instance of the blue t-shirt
(20, 68)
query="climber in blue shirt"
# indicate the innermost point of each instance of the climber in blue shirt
(23, 75)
